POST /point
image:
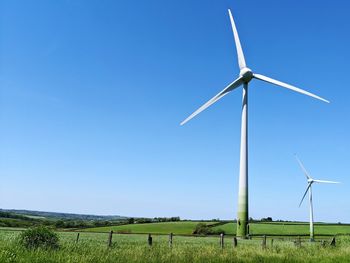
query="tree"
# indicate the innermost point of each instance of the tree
(267, 219)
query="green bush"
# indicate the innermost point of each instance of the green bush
(202, 229)
(41, 236)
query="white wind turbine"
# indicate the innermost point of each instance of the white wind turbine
(310, 181)
(245, 76)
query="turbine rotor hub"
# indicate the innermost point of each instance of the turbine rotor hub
(246, 74)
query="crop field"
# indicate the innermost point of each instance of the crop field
(92, 247)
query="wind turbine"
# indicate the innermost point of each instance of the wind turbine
(310, 181)
(244, 77)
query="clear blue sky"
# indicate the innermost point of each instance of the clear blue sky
(92, 94)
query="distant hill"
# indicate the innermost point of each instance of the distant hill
(63, 216)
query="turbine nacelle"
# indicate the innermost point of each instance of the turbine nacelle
(310, 181)
(246, 74)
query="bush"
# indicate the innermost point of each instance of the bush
(41, 236)
(202, 229)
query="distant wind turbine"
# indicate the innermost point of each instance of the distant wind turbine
(310, 181)
(245, 76)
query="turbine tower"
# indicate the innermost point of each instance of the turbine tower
(245, 76)
(310, 181)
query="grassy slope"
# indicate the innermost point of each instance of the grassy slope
(180, 228)
(133, 248)
(287, 229)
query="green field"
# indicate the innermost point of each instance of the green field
(180, 228)
(287, 229)
(187, 228)
(92, 247)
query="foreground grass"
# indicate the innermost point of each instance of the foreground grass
(133, 248)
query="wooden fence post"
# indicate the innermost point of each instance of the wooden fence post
(222, 240)
(298, 242)
(234, 242)
(149, 240)
(77, 238)
(333, 242)
(263, 244)
(171, 240)
(110, 239)
(272, 242)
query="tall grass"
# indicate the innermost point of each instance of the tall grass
(92, 247)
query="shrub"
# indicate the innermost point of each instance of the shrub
(202, 229)
(41, 236)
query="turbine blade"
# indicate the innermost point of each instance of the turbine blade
(326, 182)
(287, 86)
(241, 60)
(221, 94)
(307, 189)
(303, 168)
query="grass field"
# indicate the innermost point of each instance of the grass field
(92, 247)
(180, 228)
(187, 228)
(287, 229)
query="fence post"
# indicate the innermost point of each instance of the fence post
(110, 239)
(272, 242)
(297, 242)
(77, 238)
(263, 244)
(149, 240)
(333, 242)
(234, 242)
(171, 240)
(222, 240)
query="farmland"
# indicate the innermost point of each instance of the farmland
(187, 228)
(287, 229)
(92, 247)
(180, 228)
